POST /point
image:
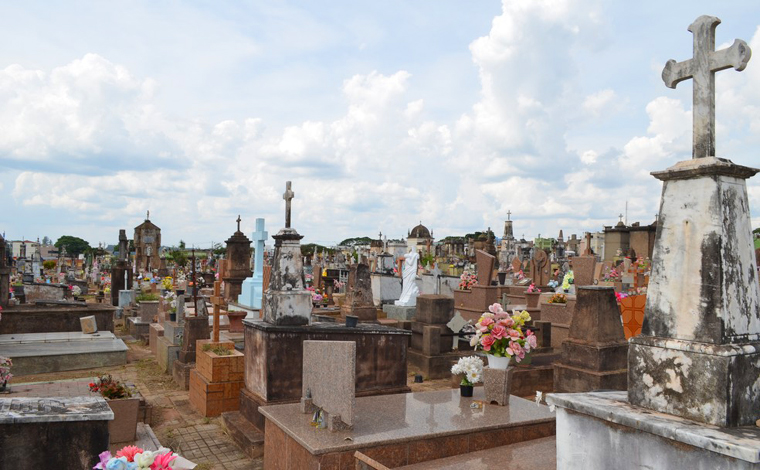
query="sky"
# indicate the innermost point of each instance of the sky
(382, 114)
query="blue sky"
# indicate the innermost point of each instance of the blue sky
(383, 114)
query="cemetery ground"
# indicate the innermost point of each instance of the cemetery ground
(172, 419)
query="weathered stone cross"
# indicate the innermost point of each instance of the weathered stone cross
(238, 222)
(702, 68)
(218, 302)
(509, 213)
(288, 196)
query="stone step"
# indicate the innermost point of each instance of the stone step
(246, 436)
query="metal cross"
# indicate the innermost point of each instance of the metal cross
(288, 196)
(702, 68)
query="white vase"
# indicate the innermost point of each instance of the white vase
(495, 362)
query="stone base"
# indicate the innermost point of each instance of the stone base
(435, 367)
(156, 331)
(661, 369)
(365, 314)
(398, 312)
(167, 353)
(385, 289)
(403, 436)
(568, 379)
(600, 431)
(139, 329)
(497, 385)
(181, 374)
(213, 398)
(284, 308)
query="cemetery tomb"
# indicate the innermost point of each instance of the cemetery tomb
(692, 401)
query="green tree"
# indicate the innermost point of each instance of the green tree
(179, 257)
(46, 240)
(355, 241)
(74, 246)
(181, 245)
(49, 264)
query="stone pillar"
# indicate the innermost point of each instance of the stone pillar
(5, 275)
(287, 302)
(698, 355)
(595, 355)
(238, 265)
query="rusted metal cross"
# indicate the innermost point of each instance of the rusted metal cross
(288, 196)
(702, 68)
(218, 302)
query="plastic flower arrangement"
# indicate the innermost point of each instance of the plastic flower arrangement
(171, 298)
(503, 335)
(5, 369)
(471, 368)
(558, 299)
(167, 283)
(109, 388)
(338, 284)
(611, 275)
(519, 275)
(76, 290)
(467, 280)
(135, 458)
(568, 280)
(532, 288)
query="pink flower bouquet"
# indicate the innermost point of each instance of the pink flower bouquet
(503, 335)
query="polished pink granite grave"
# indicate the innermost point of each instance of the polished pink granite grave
(402, 429)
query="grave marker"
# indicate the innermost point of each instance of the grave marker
(218, 302)
(329, 381)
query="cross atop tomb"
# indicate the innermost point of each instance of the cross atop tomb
(238, 222)
(260, 234)
(218, 302)
(702, 68)
(509, 213)
(620, 217)
(288, 196)
(147, 216)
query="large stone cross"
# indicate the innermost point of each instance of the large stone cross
(702, 68)
(288, 196)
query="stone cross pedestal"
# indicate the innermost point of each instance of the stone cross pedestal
(287, 302)
(238, 264)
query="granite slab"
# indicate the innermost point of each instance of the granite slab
(400, 418)
(52, 410)
(363, 328)
(22, 345)
(741, 443)
(541, 451)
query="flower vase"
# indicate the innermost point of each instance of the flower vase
(3, 386)
(497, 385)
(500, 363)
(465, 390)
(173, 316)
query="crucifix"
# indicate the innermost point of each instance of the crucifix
(218, 302)
(238, 222)
(288, 196)
(702, 68)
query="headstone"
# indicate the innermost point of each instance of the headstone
(253, 287)
(89, 325)
(5, 275)
(436, 272)
(540, 268)
(358, 300)
(583, 270)
(456, 324)
(485, 267)
(329, 381)
(201, 309)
